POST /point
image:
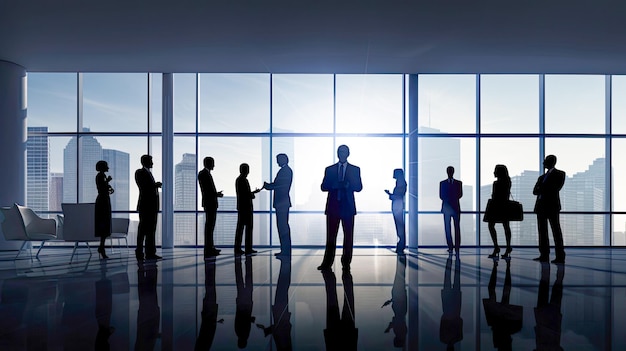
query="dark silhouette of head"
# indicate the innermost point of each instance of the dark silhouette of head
(343, 151)
(146, 161)
(102, 166)
(398, 173)
(244, 169)
(501, 172)
(549, 162)
(282, 159)
(450, 171)
(209, 162)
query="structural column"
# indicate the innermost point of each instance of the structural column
(167, 192)
(412, 152)
(13, 139)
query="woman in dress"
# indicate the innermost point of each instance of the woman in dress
(496, 211)
(397, 208)
(103, 206)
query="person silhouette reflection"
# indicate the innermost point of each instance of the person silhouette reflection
(209, 322)
(398, 304)
(281, 329)
(548, 315)
(397, 208)
(451, 325)
(149, 314)
(104, 307)
(503, 318)
(340, 332)
(243, 314)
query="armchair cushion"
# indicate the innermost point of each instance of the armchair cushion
(37, 228)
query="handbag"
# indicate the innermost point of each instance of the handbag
(514, 210)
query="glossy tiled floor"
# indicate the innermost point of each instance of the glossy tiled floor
(422, 301)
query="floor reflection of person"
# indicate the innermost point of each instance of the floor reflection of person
(397, 208)
(243, 313)
(503, 318)
(281, 329)
(208, 326)
(340, 333)
(149, 314)
(451, 325)
(398, 304)
(548, 315)
(104, 307)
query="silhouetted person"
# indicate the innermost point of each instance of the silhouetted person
(243, 314)
(282, 202)
(244, 210)
(397, 208)
(496, 212)
(341, 180)
(340, 333)
(149, 314)
(450, 191)
(104, 307)
(209, 203)
(148, 208)
(548, 315)
(398, 304)
(209, 322)
(102, 215)
(281, 329)
(451, 325)
(548, 209)
(503, 318)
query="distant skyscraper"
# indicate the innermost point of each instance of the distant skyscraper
(226, 223)
(119, 170)
(37, 164)
(56, 191)
(185, 185)
(83, 182)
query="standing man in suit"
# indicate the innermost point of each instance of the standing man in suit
(244, 210)
(282, 203)
(548, 208)
(450, 191)
(209, 203)
(148, 208)
(341, 180)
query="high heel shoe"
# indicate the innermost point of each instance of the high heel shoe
(507, 253)
(495, 253)
(102, 254)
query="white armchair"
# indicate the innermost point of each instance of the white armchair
(119, 230)
(78, 224)
(21, 223)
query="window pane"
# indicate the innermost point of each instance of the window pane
(431, 231)
(234, 102)
(115, 102)
(302, 103)
(574, 104)
(582, 230)
(52, 101)
(522, 233)
(509, 103)
(447, 103)
(156, 102)
(583, 162)
(369, 103)
(184, 102)
(619, 230)
(185, 173)
(619, 174)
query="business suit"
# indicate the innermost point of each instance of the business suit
(281, 203)
(210, 205)
(148, 208)
(340, 207)
(450, 191)
(244, 213)
(548, 208)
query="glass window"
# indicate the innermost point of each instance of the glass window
(575, 104)
(618, 167)
(234, 103)
(184, 102)
(156, 102)
(369, 103)
(447, 103)
(431, 230)
(115, 102)
(509, 103)
(302, 103)
(52, 101)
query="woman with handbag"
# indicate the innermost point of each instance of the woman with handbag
(496, 211)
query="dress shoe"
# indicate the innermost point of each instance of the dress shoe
(279, 254)
(450, 250)
(558, 261)
(103, 255)
(323, 268)
(239, 252)
(507, 254)
(212, 253)
(154, 257)
(540, 259)
(250, 252)
(495, 253)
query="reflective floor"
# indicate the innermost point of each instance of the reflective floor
(425, 300)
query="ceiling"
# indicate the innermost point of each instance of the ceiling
(323, 36)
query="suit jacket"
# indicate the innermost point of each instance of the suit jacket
(244, 194)
(148, 192)
(340, 200)
(547, 190)
(281, 187)
(450, 193)
(207, 187)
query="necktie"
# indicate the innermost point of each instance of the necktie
(341, 173)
